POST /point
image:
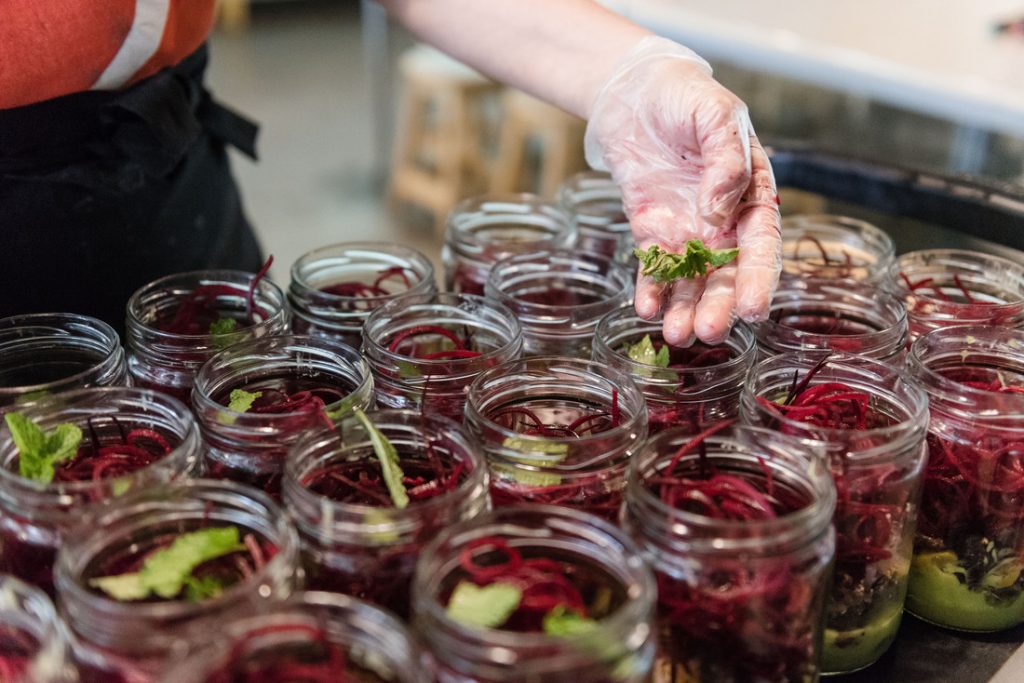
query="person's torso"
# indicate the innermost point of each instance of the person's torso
(50, 48)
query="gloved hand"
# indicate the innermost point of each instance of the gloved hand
(683, 151)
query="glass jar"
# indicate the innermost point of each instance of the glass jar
(312, 636)
(45, 353)
(424, 352)
(354, 539)
(739, 599)
(846, 316)
(968, 571)
(835, 247)
(596, 559)
(483, 230)
(557, 430)
(167, 360)
(115, 640)
(33, 648)
(302, 383)
(559, 297)
(594, 202)
(36, 518)
(334, 289)
(693, 386)
(946, 287)
(877, 463)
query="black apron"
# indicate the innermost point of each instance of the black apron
(101, 192)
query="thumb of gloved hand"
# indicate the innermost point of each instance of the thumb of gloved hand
(684, 153)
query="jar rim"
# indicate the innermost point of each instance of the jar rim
(301, 283)
(458, 234)
(983, 262)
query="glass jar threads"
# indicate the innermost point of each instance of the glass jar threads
(692, 386)
(124, 439)
(424, 352)
(845, 316)
(967, 572)
(161, 570)
(484, 230)
(559, 297)
(945, 287)
(534, 593)
(355, 537)
(871, 419)
(33, 648)
(557, 430)
(736, 524)
(594, 202)
(176, 323)
(311, 636)
(255, 399)
(45, 353)
(335, 288)
(835, 248)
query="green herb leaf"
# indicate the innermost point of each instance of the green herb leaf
(487, 606)
(241, 400)
(202, 588)
(39, 452)
(665, 266)
(223, 326)
(643, 352)
(407, 370)
(388, 457)
(166, 572)
(564, 623)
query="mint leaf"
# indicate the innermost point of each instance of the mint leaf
(487, 606)
(665, 266)
(564, 623)
(643, 352)
(241, 400)
(167, 571)
(533, 452)
(202, 588)
(39, 452)
(388, 457)
(223, 326)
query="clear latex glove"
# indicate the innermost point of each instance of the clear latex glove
(683, 151)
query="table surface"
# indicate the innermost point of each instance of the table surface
(937, 57)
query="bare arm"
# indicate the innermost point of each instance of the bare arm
(562, 51)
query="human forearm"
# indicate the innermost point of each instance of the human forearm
(562, 51)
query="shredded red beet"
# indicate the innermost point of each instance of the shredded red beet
(357, 289)
(830, 267)
(197, 312)
(16, 651)
(97, 460)
(299, 653)
(526, 422)
(405, 343)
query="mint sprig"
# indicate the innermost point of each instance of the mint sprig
(665, 266)
(223, 326)
(168, 571)
(388, 457)
(241, 400)
(40, 452)
(643, 352)
(565, 623)
(487, 606)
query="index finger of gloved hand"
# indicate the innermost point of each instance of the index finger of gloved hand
(680, 311)
(648, 296)
(759, 237)
(725, 153)
(716, 310)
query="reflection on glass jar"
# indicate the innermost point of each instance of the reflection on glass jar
(594, 202)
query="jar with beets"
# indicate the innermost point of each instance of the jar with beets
(312, 636)
(118, 440)
(334, 289)
(483, 230)
(559, 431)
(559, 297)
(164, 569)
(176, 323)
(594, 202)
(946, 287)
(46, 353)
(254, 400)
(871, 418)
(360, 538)
(683, 387)
(736, 524)
(830, 315)
(535, 593)
(834, 247)
(424, 352)
(33, 648)
(968, 567)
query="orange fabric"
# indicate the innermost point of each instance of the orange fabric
(50, 48)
